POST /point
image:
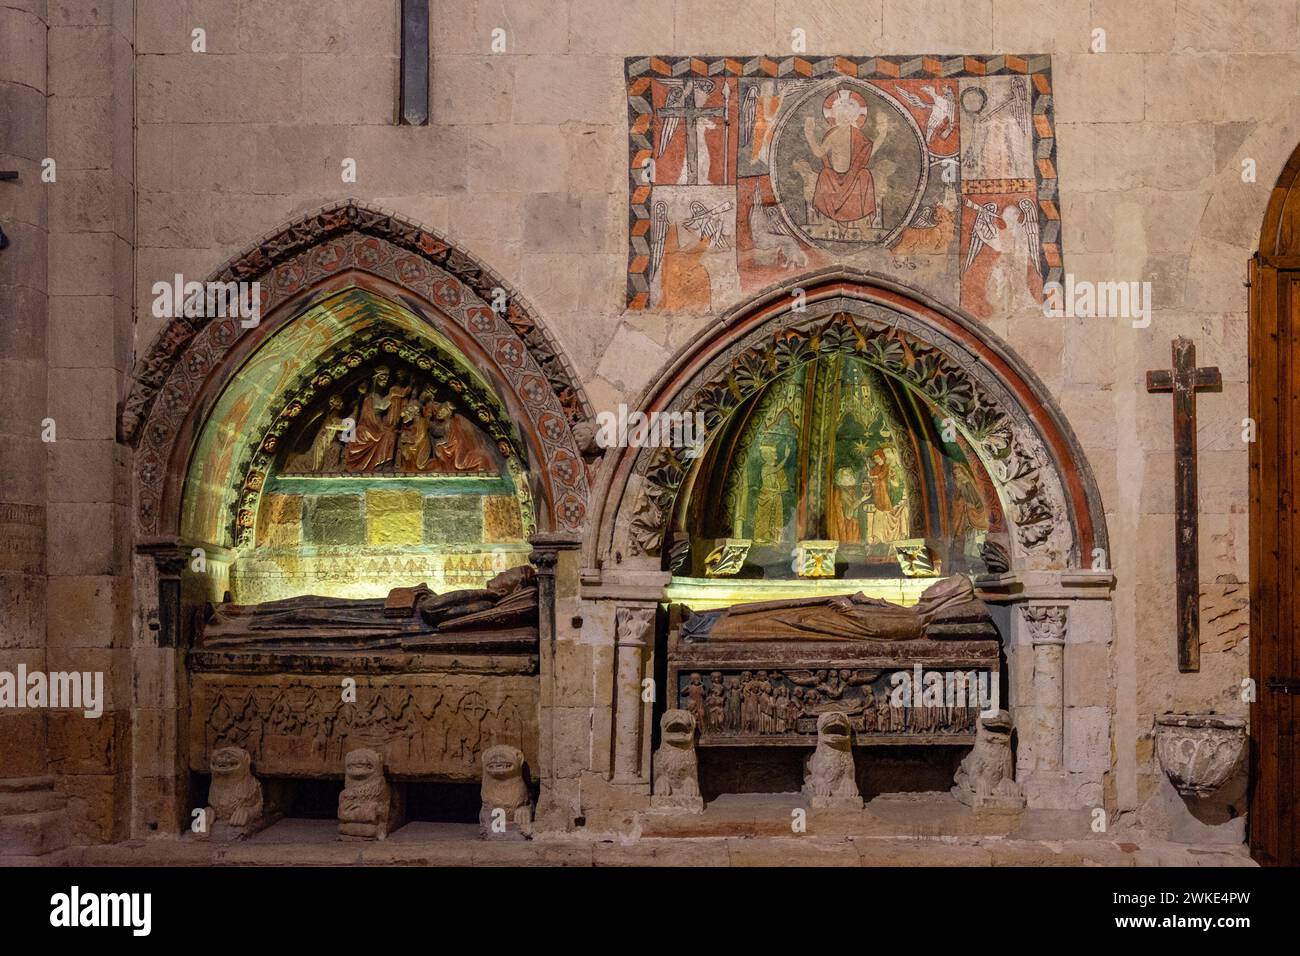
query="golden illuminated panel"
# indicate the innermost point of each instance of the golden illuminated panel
(704, 594)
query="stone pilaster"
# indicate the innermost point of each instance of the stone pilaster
(1059, 627)
(160, 705)
(556, 807)
(33, 819)
(634, 651)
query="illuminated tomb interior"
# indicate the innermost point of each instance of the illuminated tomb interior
(834, 470)
(356, 450)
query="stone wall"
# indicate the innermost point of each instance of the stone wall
(525, 165)
(23, 310)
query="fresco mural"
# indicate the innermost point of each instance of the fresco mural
(834, 453)
(746, 171)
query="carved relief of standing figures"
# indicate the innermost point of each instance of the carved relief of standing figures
(732, 711)
(714, 705)
(694, 698)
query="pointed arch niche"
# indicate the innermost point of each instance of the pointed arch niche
(232, 425)
(235, 461)
(924, 368)
(853, 382)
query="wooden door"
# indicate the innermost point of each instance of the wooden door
(1275, 527)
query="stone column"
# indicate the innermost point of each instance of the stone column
(634, 636)
(1047, 637)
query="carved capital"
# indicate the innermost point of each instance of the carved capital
(634, 626)
(1046, 624)
(169, 557)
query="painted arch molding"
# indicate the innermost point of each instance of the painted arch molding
(408, 271)
(1055, 516)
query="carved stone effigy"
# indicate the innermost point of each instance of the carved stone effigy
(985, 776)
(830, 777)
(764, 673)
(235, 805)
(507, 804)
(676, 769)
(366, 802)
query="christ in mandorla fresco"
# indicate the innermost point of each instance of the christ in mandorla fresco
(845, 191)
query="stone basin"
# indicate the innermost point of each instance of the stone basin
(1199, 751)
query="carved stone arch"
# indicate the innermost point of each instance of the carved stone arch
(1279, 236)
(304, 263)
(1047, 490)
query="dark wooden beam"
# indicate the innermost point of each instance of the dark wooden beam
(1184, 380)
(414, 106)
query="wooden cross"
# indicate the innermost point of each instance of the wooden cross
(1185, 380)
(414, 106)
(688, 112)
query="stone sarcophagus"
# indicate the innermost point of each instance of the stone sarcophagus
(427, 681)
(764, 673)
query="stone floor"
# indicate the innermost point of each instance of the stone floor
(734, 830)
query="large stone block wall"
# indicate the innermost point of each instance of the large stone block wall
(23, 309)
(524, 165)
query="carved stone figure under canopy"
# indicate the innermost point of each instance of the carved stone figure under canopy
(504, 612)
(948, 608)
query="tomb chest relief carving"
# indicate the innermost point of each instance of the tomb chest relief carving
(432, 726)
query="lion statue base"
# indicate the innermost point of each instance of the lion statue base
(830, 777)
(366, 805)
(235, 807)
(984, 778)
(675, 767)
(507, 808)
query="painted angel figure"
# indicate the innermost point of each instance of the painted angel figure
(1015, 279)
(941, 110)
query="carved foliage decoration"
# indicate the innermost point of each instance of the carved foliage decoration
(1046, 624)
(1015, 469)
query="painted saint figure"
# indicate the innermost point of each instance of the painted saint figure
(460, 450)
(887, 520)
(845, 190)
(769, 504)
(842, 522)
(375, 440)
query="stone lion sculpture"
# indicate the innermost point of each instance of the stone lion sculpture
(984, 778)
(235, 795)
(366, 801)
(830, 779)
(676, 769)
(507, 805)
